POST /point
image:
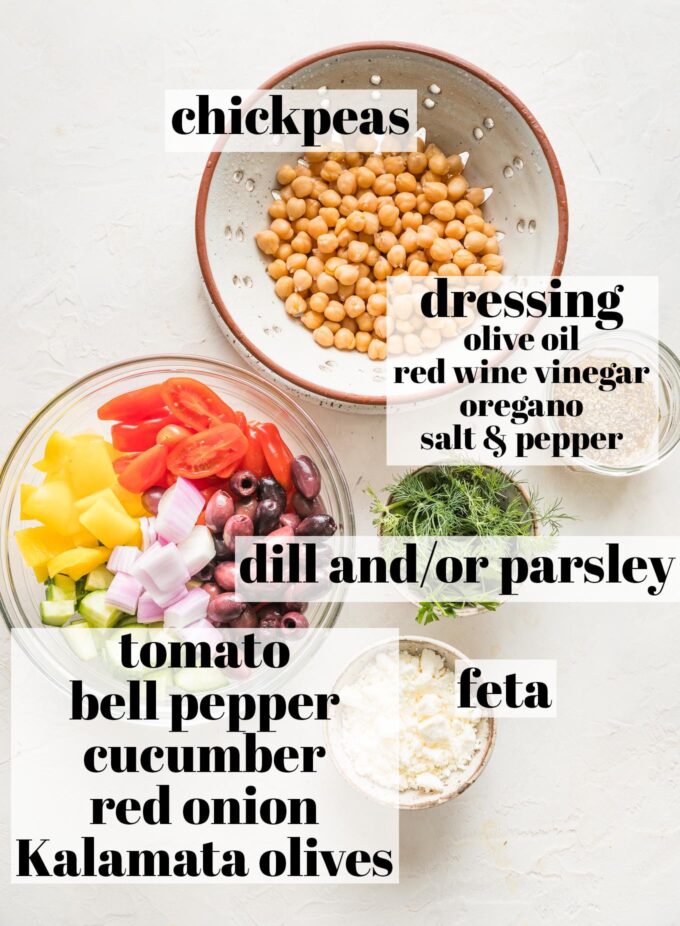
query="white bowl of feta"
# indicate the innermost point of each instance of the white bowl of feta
(398, 735)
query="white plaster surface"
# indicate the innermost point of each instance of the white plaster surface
(576, 820)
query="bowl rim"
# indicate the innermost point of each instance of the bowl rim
(289, 376)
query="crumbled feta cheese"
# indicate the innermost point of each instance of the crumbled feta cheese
(400, 726)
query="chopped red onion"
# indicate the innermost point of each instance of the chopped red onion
(178, 511)
(201, 631)
(161, 568)
(149, 536)
(193, 607)
(198, 549)
(123, 559)
(148, 612)
(124, 593)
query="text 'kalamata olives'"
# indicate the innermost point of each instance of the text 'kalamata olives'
(243, 483)
(306, 476)
(268, 487)
(307, 506)
(267, 516)
(218, 510)
(151, 498)
(316, 525)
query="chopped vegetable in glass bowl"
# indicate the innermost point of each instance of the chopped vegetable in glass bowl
(122, 499)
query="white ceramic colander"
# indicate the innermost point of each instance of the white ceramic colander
(462, 109)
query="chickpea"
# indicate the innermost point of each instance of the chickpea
(474, 270)
(327, 283)
(277, 209)
(344, 339)
(277, 269)
(267, 241)
(284, 287)
(456, 188)
(371, 223)
(302, 243)
(323, 336)
(330, 198)
(440, 249)
(333, 263)
(368, 202)
(405, 182)
(285, 175)
(346, 183)
(356, 221)
(395, 164)
(365, 178)
(383, 326)
(449, 270)
(317, 227)
(334, 311)
(295, 305)
(330, 215)
(377, 350)
(475, 195)
(463, 209)
(388, 215)
(284, 251)
(365, 322)
(311, 320)
(434, 191)
(455, 229)
(376, 164)
(489, 230)
(474, 223)
(318, 302)
(475, 242)
(385, 185)
(302, 280)
(301, 224)
(318, 188)
(354, 306)
(303, 185)
(362, 339)
(348, 204)
(364, 287)
(438, 164)
(349, 323)
(418, 268)
(412, 220)
(397, 255)
(444, 210)
(376, 305)
(357, 251)
(282, 228)
(463, 258)
(327, 243)
(295, 208)
(416, 162)
(425, 236)
(493, 262)
(491, 246)
(347, 274)
(330, 171)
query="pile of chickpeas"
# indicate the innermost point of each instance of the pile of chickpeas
(343, 223)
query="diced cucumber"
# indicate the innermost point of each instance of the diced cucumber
(140, 635)
(203, 679)
(98, 580)
(62, 588)
(80, 638)
(97, 612)
(56, 613)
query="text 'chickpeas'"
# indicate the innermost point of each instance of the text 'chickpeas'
(343, 223)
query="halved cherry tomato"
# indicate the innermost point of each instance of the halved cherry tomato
(172, 434)
(195, 405)
(276, 453)
(137, 405)
(146, 470)
(208, 452)
(120, 464)
(140, 435)
(254, 460)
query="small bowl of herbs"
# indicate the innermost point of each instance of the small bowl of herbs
(472, 500)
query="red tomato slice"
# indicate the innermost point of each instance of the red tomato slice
(208, 452)
(140, 436)
(172, 434)
(120, 464)
(137, 405)
(254, 460)
(146, 470)
(276, 453)
(195, 405)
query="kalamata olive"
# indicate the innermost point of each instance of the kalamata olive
(243, 483)
(306, 507)
(316, 525)
(268, 614)
(212, 589)
(218, 510)
(224, 608)
(294, 619)
(221, 551)
(306, 476)
(206, 574)
(267, 516)
(268, 487)
(247, 506)
(247, 618)
(225, 576)
(290, 519)
(238, 525)
(286, 605)
(151, 498)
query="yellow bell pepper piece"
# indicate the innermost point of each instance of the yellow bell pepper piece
(38, 545)
(111, 526)
(108, 495)
(53, 504)
(83, 538)
(78, 562)
(58, 450)
(26, 492)
(131, 502)
(90, 468)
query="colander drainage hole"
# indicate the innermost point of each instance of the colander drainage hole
(428, 103)
(488, 123)
(478, 133)
(508, 172)
(517, 163)
(250, 184)
(238, 176)
(376, 80)
(521, 225)
(434, 89)
(240, 233)
(227, 232)
(532, 226)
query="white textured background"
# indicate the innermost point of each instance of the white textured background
(576, 820)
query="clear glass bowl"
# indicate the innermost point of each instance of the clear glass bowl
(74, 411)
